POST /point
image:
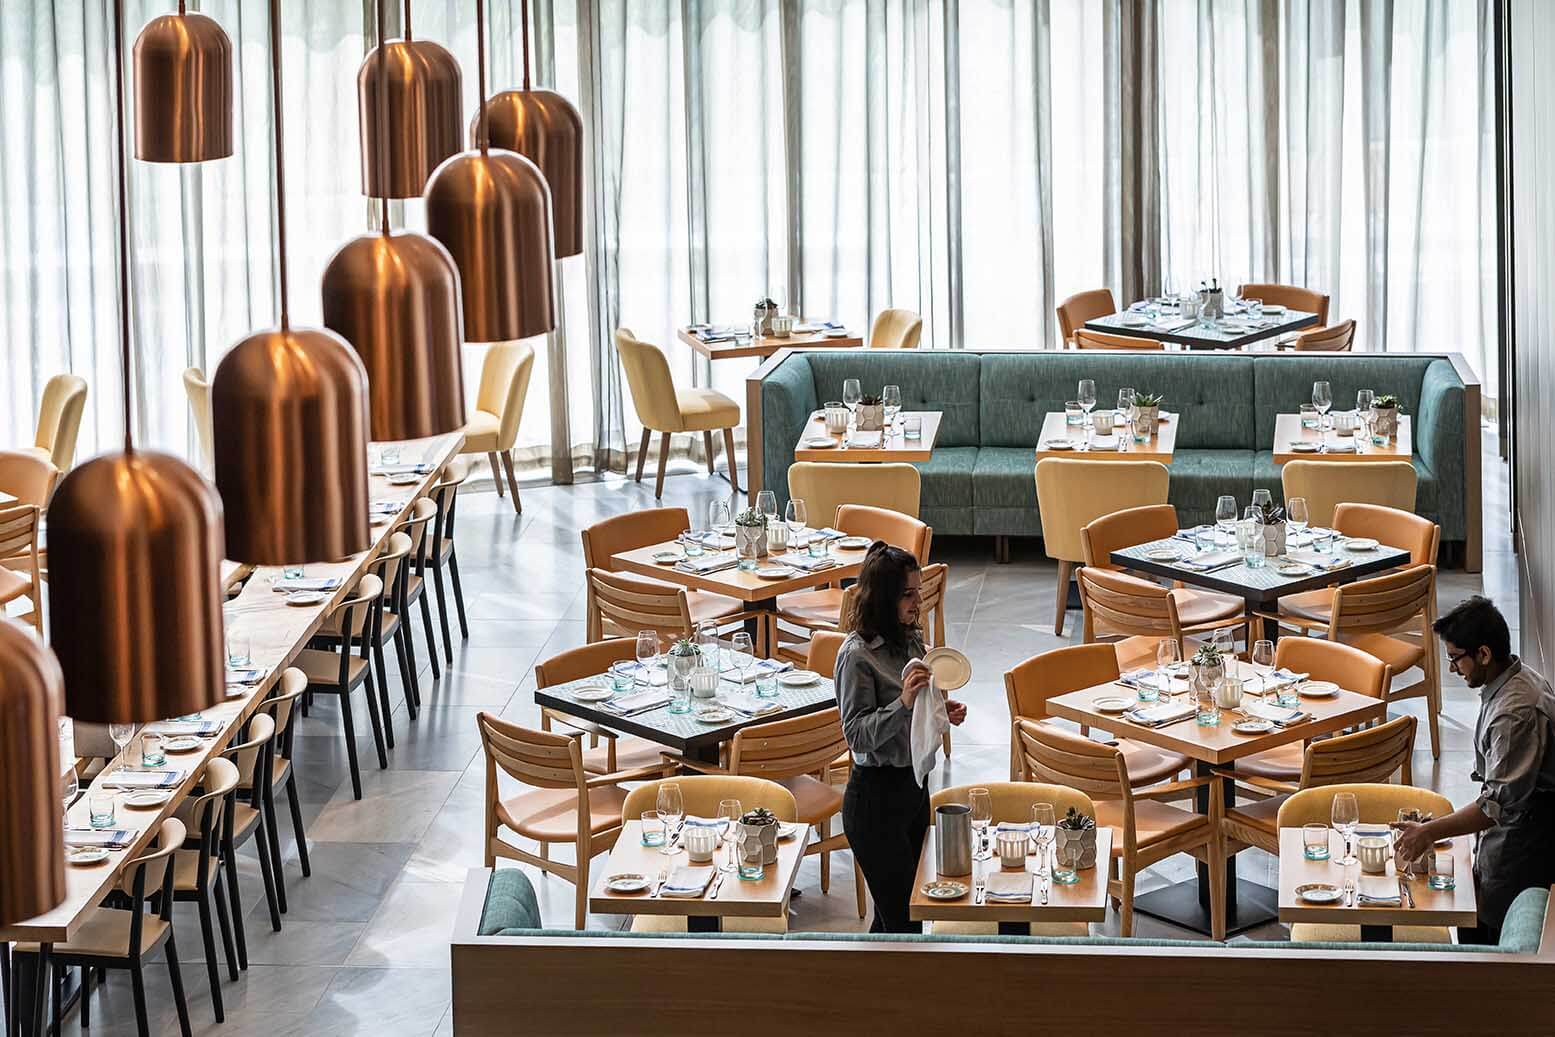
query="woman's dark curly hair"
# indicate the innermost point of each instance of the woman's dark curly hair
(882, 580)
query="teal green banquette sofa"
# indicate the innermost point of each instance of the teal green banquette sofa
(980, 481)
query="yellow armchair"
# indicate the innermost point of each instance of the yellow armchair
(1326, 484)
(664, 409)
(896, 329)
(59, 420)
(499, 406)
(198, 388)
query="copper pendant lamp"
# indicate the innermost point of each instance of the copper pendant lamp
(134, 556)
(492, 209)
(545, 128)
(32, 860)
(395, 298)
(419, 84)
(183, 89)
(289, 421)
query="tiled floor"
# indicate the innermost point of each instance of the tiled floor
(365, 943)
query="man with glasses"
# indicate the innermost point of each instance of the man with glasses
(1514, 761)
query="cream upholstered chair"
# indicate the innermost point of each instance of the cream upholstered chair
(499, 406)
(1289, 296)
(619, 752)
(1072, 493)
(1335, 339)
(1030, 684)
(21, 575)
(27, 477)
(1074, 311)
(664, 409)
(1392, 526)
(1145, 830)
(644, 528)
(1379, 805)
(1139, 613)
(1134, 526)
(566, 805)
(1327, 484)
(896, 329)
(1084, 338)
(624, 605)
(59, 420)
(198, 389)
(826, 486)
(1012, 801)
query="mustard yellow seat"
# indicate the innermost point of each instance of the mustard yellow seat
(644, 528)
(665, 409)
(59, 420)
(198, 389)
(896, 329)
(492, 428)
(826, 486)
(1291, 297)
(1134, 526)
(1392, 526)
(1327, 484)
(1081, 307)
(701, 794)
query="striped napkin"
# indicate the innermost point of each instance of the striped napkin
(1009, 887)
(1377, 889)
(1326, 562)
(308, 583)
(638, 702)
(804, 563)
(759, 669)
(656, 676)
(113, 839)
(707, 566)
(1211, 561)
(1163, 714)
(1281, 716)
(687, 882)
(750, 705)
(128, 779)
(198, 728)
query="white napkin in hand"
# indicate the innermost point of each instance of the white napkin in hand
(930, 721)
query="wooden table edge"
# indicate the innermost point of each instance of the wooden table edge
(802, 582)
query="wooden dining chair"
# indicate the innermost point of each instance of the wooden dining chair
(445, 494)
(611, 750)
(896, 329)
(124, 938)
(1292, 297)
(1146, 830)
(609, 537)
(59, 420)
(1074, 311)
(499, 407)
(1337, 338)
(826, 487)
(22, 576)
(27, 477)
(283, 708)
(372, 628)
(340, 671)
(418, 525)
(1139, 613)
(623, 605)
(1084, 338)
(664, 408)
(1391, 526)
(1060, 671)
(1131, 527)
(198, 388)
(251, 821)
(198, 872)
(567, 805)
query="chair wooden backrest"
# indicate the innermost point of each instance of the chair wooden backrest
(1384, 604)
(139, 870)
(1373, 754)
(1029, 685)
(1127, 528)
(198, 388)
(701, 794)
(1379, 803)
(1055, 756)
(1085, 338)
(1392, 526)
(651, 384)
(896, 329)
(1083, 306)
(206, 813)
(1337, 338)
(1289, 296)
(621, 605)
(416, 526)
(826, 486)
(282, 708)
(1345, 665)
(584, 661)
(638, 528)
(893, 527)
(59, 418)
(822, 657)
(505, 372)
(252, 756)
(536, 758)
(1072, 493)
(789, 747)
(360, 610)
(27, 477)
(1013, 800)
(1117, 603)
(1326, 485)
(19, 543)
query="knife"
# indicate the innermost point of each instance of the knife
(1404, 891)
(712, 893)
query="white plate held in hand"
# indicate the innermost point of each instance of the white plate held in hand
(951, 669)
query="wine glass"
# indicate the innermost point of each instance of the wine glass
(766, 503)
(647, 653)
(671, 809)
(121, 735)
(891, 398)
(731, 811)
(718, 515)
(1167, 655)
(1263, 657)
(1042, 822)
(981, 802)
(796, 518)
(1168, 290)
(69, 791)
(851, 394)
(707, 644)
(741, 652)
(1322, 399)
(1296, 514)
(1225, 517)
(1365, 400)
(1127, 406)
(1086, 394)
(1345, 814)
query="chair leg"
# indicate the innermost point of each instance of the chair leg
(383, 694)
(138, 982)
(175, 976)
(212, 967)
(410, 653)
(1126, 906)
(219, 894)
(442, 613)
(350, 730)
(496, 473)
(642, 453)
(824, 828)
(664, 457)
(86, 998)
(707, 444)
(426, 624)
(229, 857)
(734, 466)
(273, 844)
(302, 838)
(375, 720)
(1065, 571)
(453, 574)
(269, 880)
(407, 673)
(1433, 709)
(57, 996)
(860, 888)
(507, 463)
(580, 911)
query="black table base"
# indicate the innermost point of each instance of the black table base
(1014, 928)
(1377, 933)
(1248, 904)
(704, 924)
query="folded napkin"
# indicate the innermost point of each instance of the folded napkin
(1281, 716)
(402, 469)
(386, 507)
(750, 705)
(1211, 560)
(1192, 535)
(128, 779)
(758, 669)
(1307, 536)
(807, 564)
(1381, 890)
(1161, 715)
(1108, 442)
(1013, 826)
(656, 676)
(1009, 887)
(1326, 562)
(930, 721)
(308, 583)
(709, 538)
(687, 882)
(1177, 324)
(719, 823)
(235, 677)
(868, 440)
(807, 535)
(1340, 446)
(1141, 679)
(198, 728)
(115, 839)
(707, 566)
(637, 702)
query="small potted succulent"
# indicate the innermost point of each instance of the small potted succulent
(759, 828)
(1385, 416)
(750, 537)
(869, 416)
(684, 656)
(1148, 407)
(1075, 827)
(1273, 518)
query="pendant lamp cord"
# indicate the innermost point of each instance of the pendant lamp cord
(280, 157)
(124, 216)
(524, 16)
(406, 32)
(383, 119)
(480, 66)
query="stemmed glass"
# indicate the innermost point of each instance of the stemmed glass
(717, 515)
(1167, 656)
(851, 394)
(671, 809)
(1087, 397)
(1263, 657)
(981, 802)
(1296, 514)
(766, 503)
(1346, 817)
(69, 790)
(1322, 399)
(1225, 517)
(731, 811)
(707, 644)
(1127, 408)
(647, 654)
(121, 735)
(1042, 822)
(891, 399)
(1365, 400)
(796, 518)
(742, 655)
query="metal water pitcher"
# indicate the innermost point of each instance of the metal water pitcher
(953, 839)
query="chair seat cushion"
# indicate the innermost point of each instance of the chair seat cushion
(1005, 477)
(1312, 605)
(815, 609)
(12, 584)
(631, 753)
(705, 605)
(480, 432)
(1282, 763)
(945, 479)
(1196, 606)
(1398, 653)
(1263, 814)
(322, 668)
(244, 820)
(551, 815)
(732, 924)
(186, 869)
(814, 800)
(106, 934)
(704, 410)
(1308, 932)
(1152, 821)
(1148, 764)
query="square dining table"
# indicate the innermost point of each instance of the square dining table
(766, 897)
(1424, 905)
(892, 444)
(1081, 901)
(1210, 748)
(1056, 430)
(1292, 442)
(1229, 333)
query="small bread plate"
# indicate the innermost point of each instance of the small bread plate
(1293, 569)
(951, 669)
(1360, 544)
(1114, 705)
(818, 443)
(145, 799)
(1133, 320)
(626, 882)
(182, 744)
(1162, 554)
(1319, 689)
(1319, 892)
(667, 557)
(774, 572)
(403, 478)
(798, 678)
(301, 599)
(1305, 446)
(1058, 444)
(787, 829)
(714, 715)
(854, 543)
(1253, 727)
(837, 333)
(85, 854)
(592, 693)
(944, 889)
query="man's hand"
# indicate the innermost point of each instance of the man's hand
(955, 710)
(1410, 839)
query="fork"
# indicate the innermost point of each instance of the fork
(979, 890)
(664, 874)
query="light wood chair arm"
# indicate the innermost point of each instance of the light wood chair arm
(1262, 784)
(696, 766)
(1294, 622)
(579, 725)
(637, 774)
(1173, 788)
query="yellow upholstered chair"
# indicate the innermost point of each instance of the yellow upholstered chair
(1084, 338)
(826, 486)
(822, 657)
(27, 477)
(1030, 684)
(1419, 536)
(499, 407)
(198, 389)
(1074, 311)
(896, 329)
(1291, 297)
(1072, 493)
(1379, 804)
(1327, 484)
(645, 528)
(619, 752)
(21, 575)
(1134, 526)
(1145, 830)
(1012, 801)
(59, 420)
(1140, 613)
(664, 409)
(1335, 339)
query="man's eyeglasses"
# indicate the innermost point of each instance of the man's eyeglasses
(1453, 659)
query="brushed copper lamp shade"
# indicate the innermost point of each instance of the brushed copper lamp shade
(32, 857)
(135, 550)
(183, 90)
(289, 421)
(395, 299)
(545, 128)
(421, 83)
(492, 210)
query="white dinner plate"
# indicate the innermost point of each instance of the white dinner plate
(714, 715)
(667, 557)
(787, 830)
(1058, 444)
(403, 479)
(798, 678)
(85, 854)
(1162, 554)
(1253, 727)
(1319, 689)
(304, 598)
(951, 669)
(1360, 544)
(774, 572)
(1273, 309)
(1304, 446)
(147, 798)
(854, 543)
(1114, 705)
(837, 333)
(945, 889)
(627, 882)
(1319, 893)
(182, 744)
(592, 693)
(825, 443)
(1294, 569)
